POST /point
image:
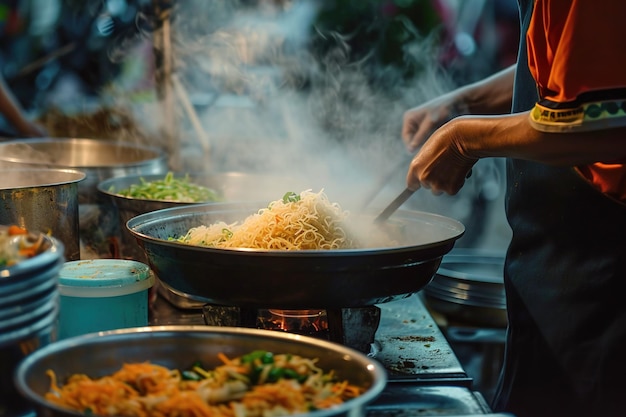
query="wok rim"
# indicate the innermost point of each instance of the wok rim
(373, 367)
(194, 210)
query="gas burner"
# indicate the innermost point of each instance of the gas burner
(305, 322)
(408, 342)
(352, 327)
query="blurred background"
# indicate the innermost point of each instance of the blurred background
(325, 82)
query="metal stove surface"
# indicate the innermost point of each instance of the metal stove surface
(410, 345)
(425, 376)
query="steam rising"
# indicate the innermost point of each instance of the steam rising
(267, 103)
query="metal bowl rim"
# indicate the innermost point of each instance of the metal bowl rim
(103, 187)
(157, 152)
(77, 176)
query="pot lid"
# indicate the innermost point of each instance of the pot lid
(473, 265)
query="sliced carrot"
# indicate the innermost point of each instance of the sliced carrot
(29, 252)
(17, 230)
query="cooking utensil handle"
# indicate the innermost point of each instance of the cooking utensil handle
(395, 204)
(380, 184)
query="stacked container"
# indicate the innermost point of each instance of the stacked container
(28, 313)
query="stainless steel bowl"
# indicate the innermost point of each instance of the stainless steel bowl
(178, 347)
(129, 207)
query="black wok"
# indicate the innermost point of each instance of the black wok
(322, 279)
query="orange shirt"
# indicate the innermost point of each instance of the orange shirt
(577, 55)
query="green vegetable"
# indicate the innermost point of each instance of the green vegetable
(170, 189)
(190, 376)
(291, 374)
(290, 197)
(263, 355)
(275, 374)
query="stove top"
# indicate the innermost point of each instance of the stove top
(425, 377)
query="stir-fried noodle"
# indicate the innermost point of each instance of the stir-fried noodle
(257, 384)
(297, 222)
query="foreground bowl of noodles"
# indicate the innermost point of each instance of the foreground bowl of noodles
(198, 370)
(301, 251)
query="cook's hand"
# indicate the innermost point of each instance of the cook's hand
(419, 122)
(441, 165)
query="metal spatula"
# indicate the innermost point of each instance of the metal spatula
(403, 164)
(398, 201)
(394, 205)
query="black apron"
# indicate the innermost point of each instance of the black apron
(565, 281)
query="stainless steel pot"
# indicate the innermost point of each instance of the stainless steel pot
(99, 160)
(179, 347)
(43, 200)
(292, 279)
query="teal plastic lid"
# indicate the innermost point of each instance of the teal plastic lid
(104, 278)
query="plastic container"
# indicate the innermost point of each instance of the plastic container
(103, 294)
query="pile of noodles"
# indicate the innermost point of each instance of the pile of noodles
(235, 389)
(297, 222)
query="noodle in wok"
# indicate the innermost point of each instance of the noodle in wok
(297, 222)
(257, 384)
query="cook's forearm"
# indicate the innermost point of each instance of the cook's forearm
(492, 95)
(513, 136)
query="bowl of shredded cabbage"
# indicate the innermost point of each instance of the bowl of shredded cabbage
(198, 371)
(135, 194)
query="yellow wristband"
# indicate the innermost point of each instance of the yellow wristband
(586, 117)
